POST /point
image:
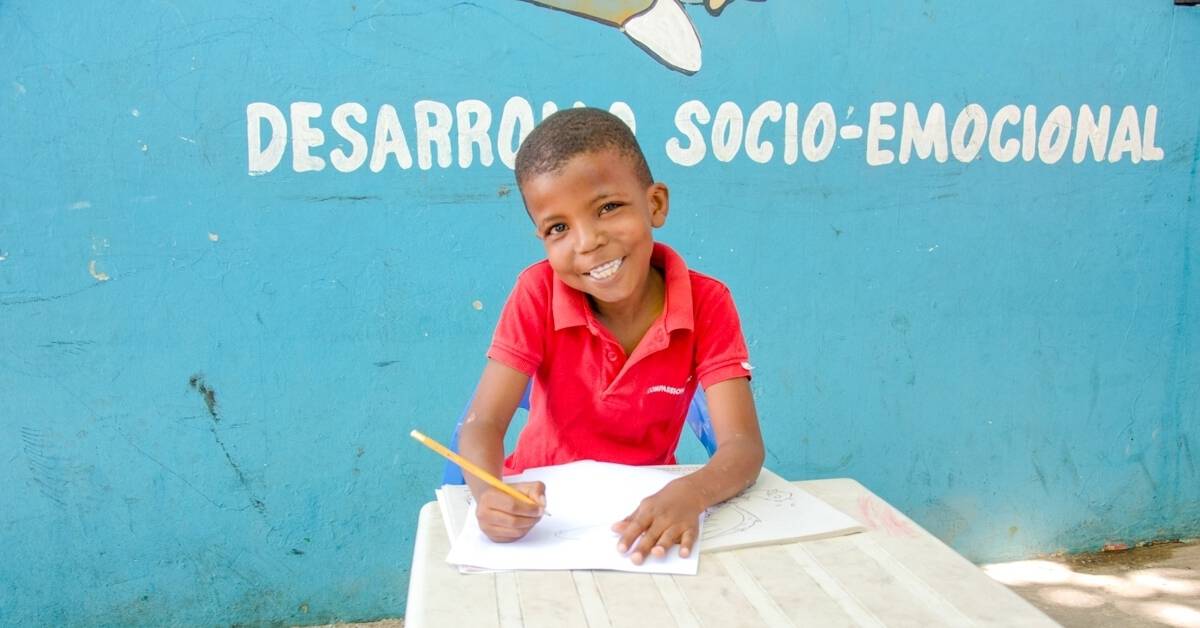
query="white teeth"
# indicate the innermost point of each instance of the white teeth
(606, 270)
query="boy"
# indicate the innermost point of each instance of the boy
(616, 333)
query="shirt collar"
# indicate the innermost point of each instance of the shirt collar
(571, 309)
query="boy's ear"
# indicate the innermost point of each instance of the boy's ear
(658, 198)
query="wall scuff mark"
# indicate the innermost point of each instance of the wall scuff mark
(209, 395)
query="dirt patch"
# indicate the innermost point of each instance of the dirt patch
(1133, 558)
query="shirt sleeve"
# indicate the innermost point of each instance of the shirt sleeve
(519, 339)
(721, 352)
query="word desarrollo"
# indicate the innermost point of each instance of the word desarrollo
(438, 133)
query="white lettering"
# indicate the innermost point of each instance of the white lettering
(727, 132)
(975, 118)
(877, 130)
(1091, 131)
(696, 149)
(260, 161)
(474, 120)
(1056, 134)
(516, 111)
(931, 138)
(340, 120)
(1008, 114)
(791, 133)
(1150, 152)
(1127, 138)
(625, 113)
(433, 127)
(1029, 138)
(389, 140)
(821, 115)
(305, 137)
(756, 150)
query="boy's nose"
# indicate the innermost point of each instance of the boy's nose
(588, 239)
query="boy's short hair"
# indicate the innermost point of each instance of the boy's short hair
(570, 132)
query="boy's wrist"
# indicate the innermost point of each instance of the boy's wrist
(697, 490)
(716, 481)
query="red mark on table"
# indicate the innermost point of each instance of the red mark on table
(877, 515)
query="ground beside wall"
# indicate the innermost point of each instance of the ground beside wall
(1144, 587)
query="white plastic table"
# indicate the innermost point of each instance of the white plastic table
(894, 574)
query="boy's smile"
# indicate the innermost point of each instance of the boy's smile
(606, 270)
(594, 217)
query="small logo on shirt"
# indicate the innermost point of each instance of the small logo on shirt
(670, 390)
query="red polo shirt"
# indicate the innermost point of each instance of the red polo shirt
(589, 400)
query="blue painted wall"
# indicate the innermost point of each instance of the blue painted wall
(207, 377)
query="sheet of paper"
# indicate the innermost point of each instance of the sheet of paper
(773, 510)
(585, 498)
(454, 500)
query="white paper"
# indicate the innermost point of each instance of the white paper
(585, 499)
(771, 511)
(455, 500)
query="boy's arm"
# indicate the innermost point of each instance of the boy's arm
(740, 451)
(481, 440)
(670, 516)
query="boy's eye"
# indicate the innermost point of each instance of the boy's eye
(556, 228)
(610, 206)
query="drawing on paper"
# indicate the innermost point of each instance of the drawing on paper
(738, 513)
(725, 521)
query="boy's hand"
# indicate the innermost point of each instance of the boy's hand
(504, 519)
(666, 518)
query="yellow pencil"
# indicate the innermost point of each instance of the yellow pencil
(470, 467)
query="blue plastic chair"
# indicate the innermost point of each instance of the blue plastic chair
(697, 419)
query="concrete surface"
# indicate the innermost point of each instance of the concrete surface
(1152, 586)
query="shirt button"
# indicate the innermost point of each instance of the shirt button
(612, 357)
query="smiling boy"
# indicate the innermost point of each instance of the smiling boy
(616, 334)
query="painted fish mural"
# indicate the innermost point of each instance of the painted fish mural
(660, 27)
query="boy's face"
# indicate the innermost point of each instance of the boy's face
(595, 218)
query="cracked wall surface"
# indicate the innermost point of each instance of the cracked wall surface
(962, 241)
